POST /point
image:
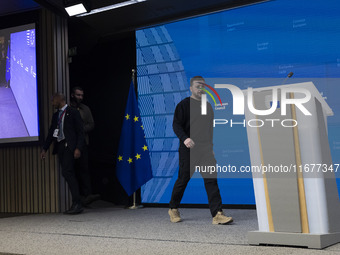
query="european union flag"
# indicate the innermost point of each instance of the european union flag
(8, 65)
(133, 161)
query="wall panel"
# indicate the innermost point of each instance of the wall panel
(28, 184)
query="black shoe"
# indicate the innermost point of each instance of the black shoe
(90, 199)
(75, 209)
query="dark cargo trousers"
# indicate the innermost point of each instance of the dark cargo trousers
(189, 159)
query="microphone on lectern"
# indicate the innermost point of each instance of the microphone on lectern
(288, 76)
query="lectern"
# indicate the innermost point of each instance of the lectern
(296, 195)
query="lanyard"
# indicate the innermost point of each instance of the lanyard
(61, 117)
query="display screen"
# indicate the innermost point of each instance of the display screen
(19, 120)
(253, 46)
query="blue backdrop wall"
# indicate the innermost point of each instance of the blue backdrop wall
(252, 46)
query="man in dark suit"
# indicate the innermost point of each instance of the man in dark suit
(66, 131)
(82, 164)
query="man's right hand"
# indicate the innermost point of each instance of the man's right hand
(189, 143)
(43, 154)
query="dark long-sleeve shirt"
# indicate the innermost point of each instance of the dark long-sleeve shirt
(189, 123)
(87, 118)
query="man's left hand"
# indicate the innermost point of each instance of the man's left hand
(77, 153)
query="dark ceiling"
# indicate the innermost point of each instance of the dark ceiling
(128, 18)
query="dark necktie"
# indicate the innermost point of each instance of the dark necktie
(61, 133)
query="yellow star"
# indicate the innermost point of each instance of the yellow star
(142, 127)
(145, 148)
(130, 160)
(127, 116)
(120, 158)
(138, 156)
(135, 118)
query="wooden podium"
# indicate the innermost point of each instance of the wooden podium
(297, 200)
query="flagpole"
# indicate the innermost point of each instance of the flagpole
(134, 78)
(134, 205)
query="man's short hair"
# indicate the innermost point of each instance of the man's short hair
(196, 78)
(77, 88)
(60, 96)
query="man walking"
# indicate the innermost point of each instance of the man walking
(66, 131)
(195, 132)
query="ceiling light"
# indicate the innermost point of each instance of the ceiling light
(75, 9)
(110, 7)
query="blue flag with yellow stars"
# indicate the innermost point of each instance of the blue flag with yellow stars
(8, 65)
(133, 160)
